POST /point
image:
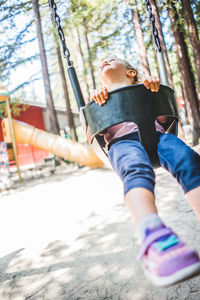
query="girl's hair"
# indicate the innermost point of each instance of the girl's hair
(130, 67)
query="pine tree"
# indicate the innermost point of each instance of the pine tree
(54, 127)
(190, 95)
(193, 34)
(69, 114)
(13, 39)
(139, 38)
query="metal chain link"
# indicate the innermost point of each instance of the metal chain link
(153, 26)
(66, 51)
(56, 18)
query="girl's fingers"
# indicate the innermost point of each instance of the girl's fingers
(152, 83)
(105, 90)
(146, 83)
(103, 93)
(94, 96)
(157, 84)
(156, 81)
(100, 96)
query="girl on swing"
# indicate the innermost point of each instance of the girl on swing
(166, 258)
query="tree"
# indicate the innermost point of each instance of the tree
(90, 56)
(54, 127)
(69, 114)
(139, 38)
(82, 63)
(190, 95)
(66, 95)
(94, 20)
(193, 34)
(14, 37)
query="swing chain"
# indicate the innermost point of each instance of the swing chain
(153, 26)
(66, 52)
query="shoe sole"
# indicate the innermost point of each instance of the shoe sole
(180, 275)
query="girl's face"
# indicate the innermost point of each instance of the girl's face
(112, 69)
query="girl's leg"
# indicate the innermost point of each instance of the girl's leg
(167, 260)
(193, 198)
(132, 164)
(141, 202)
(184, 164)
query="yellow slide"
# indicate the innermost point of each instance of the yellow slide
(55, 144)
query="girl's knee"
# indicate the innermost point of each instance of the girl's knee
(174, 154)
(180, 160)
(131, 163)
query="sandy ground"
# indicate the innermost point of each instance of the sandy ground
(68, 235)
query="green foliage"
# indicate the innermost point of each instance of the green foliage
(108, 25)
(96, 18)
(16, 108)
(15, 35)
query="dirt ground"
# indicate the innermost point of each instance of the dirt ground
(68, 235)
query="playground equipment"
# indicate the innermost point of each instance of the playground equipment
(64, 148)
(144, 107)
(121, 104)
(4, 99)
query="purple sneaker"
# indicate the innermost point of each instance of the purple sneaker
(168, 260)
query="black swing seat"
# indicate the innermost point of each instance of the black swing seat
(132, 103)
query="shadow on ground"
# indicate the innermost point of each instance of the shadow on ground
(100, 262)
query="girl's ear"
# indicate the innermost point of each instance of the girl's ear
(131, 73)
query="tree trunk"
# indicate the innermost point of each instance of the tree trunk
(69, 114)
(66, 95)
(54, 127)
(139, 39)
(83, 66)
(162, 41)
(89, 56)
(191, 98)
(193, 34)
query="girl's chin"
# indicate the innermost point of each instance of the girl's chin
(108, 71)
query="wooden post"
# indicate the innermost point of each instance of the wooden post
(4, 98)
(12, 133)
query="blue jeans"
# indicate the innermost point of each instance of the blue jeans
(131, 162)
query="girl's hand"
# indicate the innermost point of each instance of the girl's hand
(100, 96)
(152, 83)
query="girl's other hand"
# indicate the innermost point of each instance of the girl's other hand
(100, 96)
(152, 83)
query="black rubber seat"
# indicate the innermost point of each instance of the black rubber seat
(137, 104)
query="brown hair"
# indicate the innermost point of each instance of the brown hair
(130, 67)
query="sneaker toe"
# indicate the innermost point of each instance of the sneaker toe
(177, 263)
